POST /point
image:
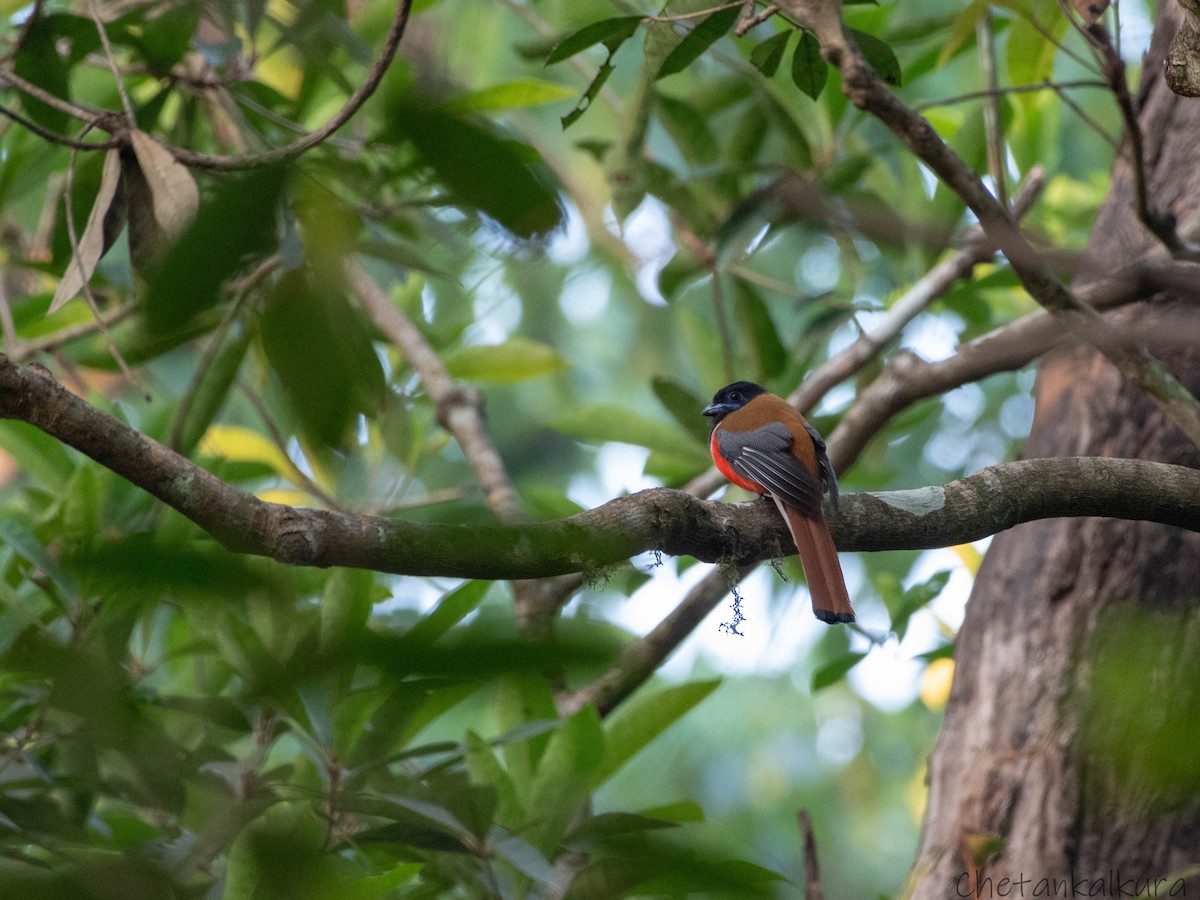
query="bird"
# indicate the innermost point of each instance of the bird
(760, 442)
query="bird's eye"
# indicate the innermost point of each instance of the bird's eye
(736, 396)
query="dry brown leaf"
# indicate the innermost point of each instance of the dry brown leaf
(1090, 10)
(91, 243)
(176, 197)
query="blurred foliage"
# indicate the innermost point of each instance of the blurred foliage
(579, 209)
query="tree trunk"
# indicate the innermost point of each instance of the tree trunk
(1069, 761)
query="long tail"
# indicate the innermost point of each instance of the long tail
(830, 599)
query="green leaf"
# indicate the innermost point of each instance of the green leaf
(373, 887)
(756, 323)
(699, 39)
(835, 671)
(683, 811)
(451, 609)
(565, 772)
(809, 69)
(946, 651)
(880, 56)
(639, 721)
(509, 95)
(589, 95)
(915, 598)
(522, 856)
(689, 130)
(767, 56)
(345, 607)
(26, 545)
(684, 407)
(211, 393)
(37, 61)
(167, 36)
(483, 170)
(610, 32)
(607, 825)
(517, 359)
(484, 768)
(237, 223)
(137, 341)
(327, 388)
(41, 457)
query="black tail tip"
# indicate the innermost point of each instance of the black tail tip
(829, 617)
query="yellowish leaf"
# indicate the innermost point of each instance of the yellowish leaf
(91, 242)
(238, 444)
(285, 496)
(936, 682)
(971, 558)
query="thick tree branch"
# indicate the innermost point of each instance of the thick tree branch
(673, 522)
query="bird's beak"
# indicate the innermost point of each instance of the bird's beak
(715, 409)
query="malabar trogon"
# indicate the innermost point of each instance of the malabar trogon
(761, 443)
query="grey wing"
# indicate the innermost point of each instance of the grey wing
(764, 456)
(828, 476)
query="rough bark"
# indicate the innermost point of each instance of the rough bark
(1070, 753)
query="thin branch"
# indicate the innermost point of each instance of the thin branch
(1161, 224)
(89, 115)
(992, 121)
(54, 137)
(50, 342)
(753, 20)
(6, 321)
(126, 104)
(290, 151)
(1059, 87)
(698, 14)
(812, 872)
(673, 522)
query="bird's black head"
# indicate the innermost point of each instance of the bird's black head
(730, 398)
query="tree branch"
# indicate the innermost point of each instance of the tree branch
(867, 91)
(673, 522)
(354, 102)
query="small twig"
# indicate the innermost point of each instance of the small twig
(7, 322)
(812, 872)
(96, 118)
(51, 342)
(698, 14)
(992, 120)
(126, 105)
(1004, 90)
(750, 19)
(54, 137)
(1089, 121)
